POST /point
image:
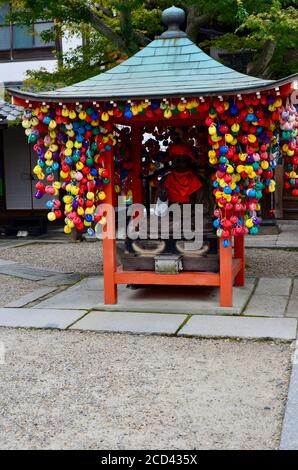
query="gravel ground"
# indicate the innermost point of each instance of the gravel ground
(81, 257)
(78, 390)
(87, 258)
(271, 263)
(13, 288)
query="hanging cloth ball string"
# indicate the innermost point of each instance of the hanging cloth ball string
(289, 147)
(240, 135)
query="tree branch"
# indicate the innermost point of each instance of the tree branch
(106, 31)
(105, 11)
(195, 22)
(260, 66)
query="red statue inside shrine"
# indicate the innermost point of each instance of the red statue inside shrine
(182, 185)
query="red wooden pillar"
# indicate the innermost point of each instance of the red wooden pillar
(226, 275)
(136, 154)
(239, 253)
(109, 237)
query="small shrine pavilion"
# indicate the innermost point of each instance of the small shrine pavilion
(86, 158)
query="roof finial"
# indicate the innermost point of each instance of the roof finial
(173, 18)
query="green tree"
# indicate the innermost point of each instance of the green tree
(115, 29)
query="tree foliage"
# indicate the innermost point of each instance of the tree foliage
(115, 29)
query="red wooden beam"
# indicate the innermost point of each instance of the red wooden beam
(150, 277)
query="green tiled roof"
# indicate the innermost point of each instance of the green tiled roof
(170, 66)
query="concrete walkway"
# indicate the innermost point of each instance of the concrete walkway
(286, 238)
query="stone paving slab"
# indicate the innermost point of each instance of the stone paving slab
(266, 306)
(292, 310)
(289, 435)
(31, 297)
(240, 327)
(38, 318)
(295, 289)
(13, 243)
(130, 322)
(26, 272)
(75, 298)
(273, 286)
(61, 280)
(5, 262)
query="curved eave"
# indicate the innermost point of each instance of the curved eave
(50, 98)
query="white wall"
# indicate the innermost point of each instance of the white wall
(15, 71)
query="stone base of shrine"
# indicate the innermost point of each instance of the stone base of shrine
(194, 300)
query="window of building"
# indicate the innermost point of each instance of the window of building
(24, 42)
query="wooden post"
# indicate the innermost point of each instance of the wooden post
(136, 154)
(239, 253)
(226, 275)
(109, 237)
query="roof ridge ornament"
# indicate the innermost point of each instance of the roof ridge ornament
(173, 18)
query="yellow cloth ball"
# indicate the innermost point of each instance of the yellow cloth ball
(26, 123)
(67, 199)
(252, 138)
(90, 210)
(168, 114)
(229, 138)
(51, 216)
(101, 195)
(82, 115)
(52, 124)
(212, 129)
(63, 174)
(79, 166)
(74, 190)
(90, 195)
(70, 223)
(105, 117)
(67, 229)
(37, 169)
(235, 127)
